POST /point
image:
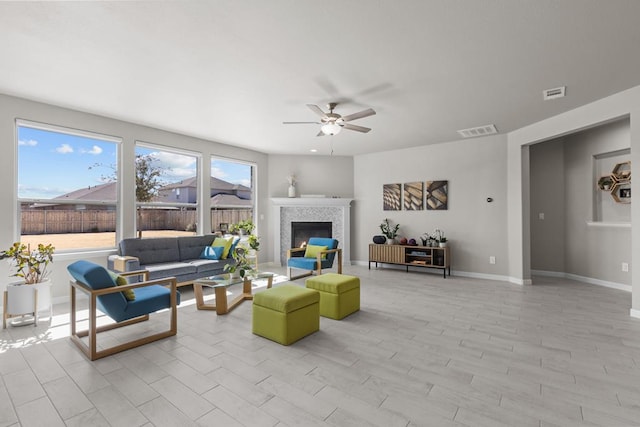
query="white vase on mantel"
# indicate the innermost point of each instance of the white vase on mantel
(390, 241)
(292, 191)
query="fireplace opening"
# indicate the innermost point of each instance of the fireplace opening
(302, 231)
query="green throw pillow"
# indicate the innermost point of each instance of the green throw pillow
(121, 281)
(313, 251)
(225, 243)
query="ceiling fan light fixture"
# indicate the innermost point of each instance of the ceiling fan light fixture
(330, 129)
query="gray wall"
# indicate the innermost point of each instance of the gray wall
(475, 170)
(563, 174)
(593, 251)
(315, 174)
(548, 198)
(12, 108)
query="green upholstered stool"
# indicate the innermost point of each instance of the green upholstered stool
(339, 294)
(286, 313)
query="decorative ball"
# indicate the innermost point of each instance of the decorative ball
(379, 239)
(403, 241)
(412, 242)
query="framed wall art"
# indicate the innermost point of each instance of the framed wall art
(437, 195)
(391, 194)
(413, 196)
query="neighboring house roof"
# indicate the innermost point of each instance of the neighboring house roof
(97, 192)
(108, 192)
(216, 185)
(229, 201)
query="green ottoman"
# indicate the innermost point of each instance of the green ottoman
(339, 294)
(286, 313)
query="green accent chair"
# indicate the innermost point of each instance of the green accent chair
(286, 314)
(339, 294)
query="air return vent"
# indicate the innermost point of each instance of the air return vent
(478, 131)
(557, 92)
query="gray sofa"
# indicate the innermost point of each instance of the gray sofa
(168, 256)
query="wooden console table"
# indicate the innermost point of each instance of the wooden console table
(411, 256)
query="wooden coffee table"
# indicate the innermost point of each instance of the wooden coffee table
(220, 283)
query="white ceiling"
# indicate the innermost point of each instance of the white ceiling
(232, 71)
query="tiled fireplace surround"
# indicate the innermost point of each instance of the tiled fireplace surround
(310, 209)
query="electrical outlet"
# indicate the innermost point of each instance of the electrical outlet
(541, 215)
(492, 260)
(625, 266)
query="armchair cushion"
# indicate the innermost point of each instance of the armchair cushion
(312, 251)
(121, 281)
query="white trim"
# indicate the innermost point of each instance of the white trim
(634, 313)
(69, 131)
(609, 224)
(589, 280)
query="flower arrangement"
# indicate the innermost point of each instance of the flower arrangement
(30, 265)
(291, 179)
(389, 231)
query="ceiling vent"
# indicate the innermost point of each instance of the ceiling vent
(478, 131)
(557, 92)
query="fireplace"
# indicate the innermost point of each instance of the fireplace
(287, 210)
(301, 231)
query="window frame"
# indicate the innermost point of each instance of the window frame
(18, 201)
(159, 147)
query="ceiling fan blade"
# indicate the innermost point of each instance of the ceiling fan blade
(301, 123)
(317, 110)
(361, 114)
(356, 128)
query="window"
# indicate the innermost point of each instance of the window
(166, 192)
(67, 186)
(232, 192)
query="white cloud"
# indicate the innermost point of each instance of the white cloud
(64, 149)
(245, 182)
(94, 150)
(30, 143)
(218, 173)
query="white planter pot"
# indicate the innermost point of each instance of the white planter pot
(21, 297)
(292, 191)
(443, 244)
(390, 241)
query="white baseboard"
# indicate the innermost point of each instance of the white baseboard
(590, 280)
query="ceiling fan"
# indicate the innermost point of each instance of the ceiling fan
(332, 123)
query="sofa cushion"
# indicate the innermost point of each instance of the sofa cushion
(168, 269)
(191, 246)
(207, 265)
(212, 252)
(226, 243)
(152, 251)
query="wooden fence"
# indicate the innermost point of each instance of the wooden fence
(98, 221)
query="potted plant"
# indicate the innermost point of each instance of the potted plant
(244, 227)
(31, 267)
(389, 231)
(243, 265)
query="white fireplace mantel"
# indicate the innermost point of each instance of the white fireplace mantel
(286, 210)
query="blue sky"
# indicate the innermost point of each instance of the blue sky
(51, 164)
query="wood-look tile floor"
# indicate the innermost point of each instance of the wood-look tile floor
(422, 351)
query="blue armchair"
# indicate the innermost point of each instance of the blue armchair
(103, 293)
(323, 256)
